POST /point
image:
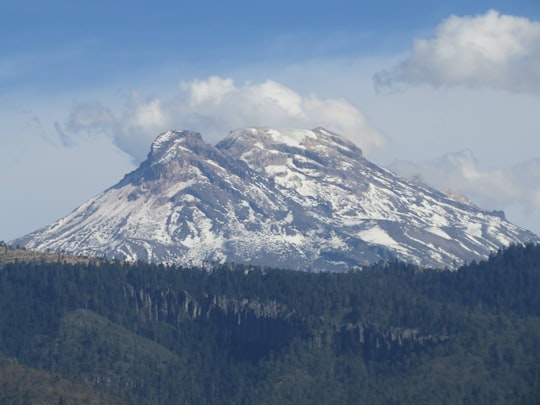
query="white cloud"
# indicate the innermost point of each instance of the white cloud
(489, 50)
(214, 107)
(90, 116)
(213, 89)
(148, 115)
(515, 189)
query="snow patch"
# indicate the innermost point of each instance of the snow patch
(438, 231)
(289, 218)
(378, 236)
(474, 229)
(161, 140)
(291, 137)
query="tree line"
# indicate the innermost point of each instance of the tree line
(391, 333)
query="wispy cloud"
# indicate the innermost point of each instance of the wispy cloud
(490, 50)
(516, 187)
(214, 107)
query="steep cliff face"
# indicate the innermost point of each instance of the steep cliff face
(299, 199)
(250, 328)
(377, 343)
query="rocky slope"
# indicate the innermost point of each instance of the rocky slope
(301, 199)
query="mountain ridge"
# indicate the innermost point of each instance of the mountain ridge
(300, 199)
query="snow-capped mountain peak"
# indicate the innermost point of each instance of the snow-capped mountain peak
(294, 198)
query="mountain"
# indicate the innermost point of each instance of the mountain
(300, 199)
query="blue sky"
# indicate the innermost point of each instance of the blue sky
(448, 91)
(65, 44)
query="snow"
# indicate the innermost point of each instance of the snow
(161, 140)
(307, 208)
(438, 231)
(335, 242)
(291, 137)
(438, 220)
(276, 170)
(502, 239)
(289, 218)
(474, 229)
(377, 236)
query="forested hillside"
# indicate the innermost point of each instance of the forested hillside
(392, 333)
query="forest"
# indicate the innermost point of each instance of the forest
(113, 332)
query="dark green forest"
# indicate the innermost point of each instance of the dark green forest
(115, 332)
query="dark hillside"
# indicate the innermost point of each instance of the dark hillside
(392, 333)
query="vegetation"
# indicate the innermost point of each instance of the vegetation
(9, 255)
(391, 334)
(24, 385)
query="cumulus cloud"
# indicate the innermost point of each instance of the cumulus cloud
(490, 50)
(515, 189)
(213, 89)
(214, 107)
